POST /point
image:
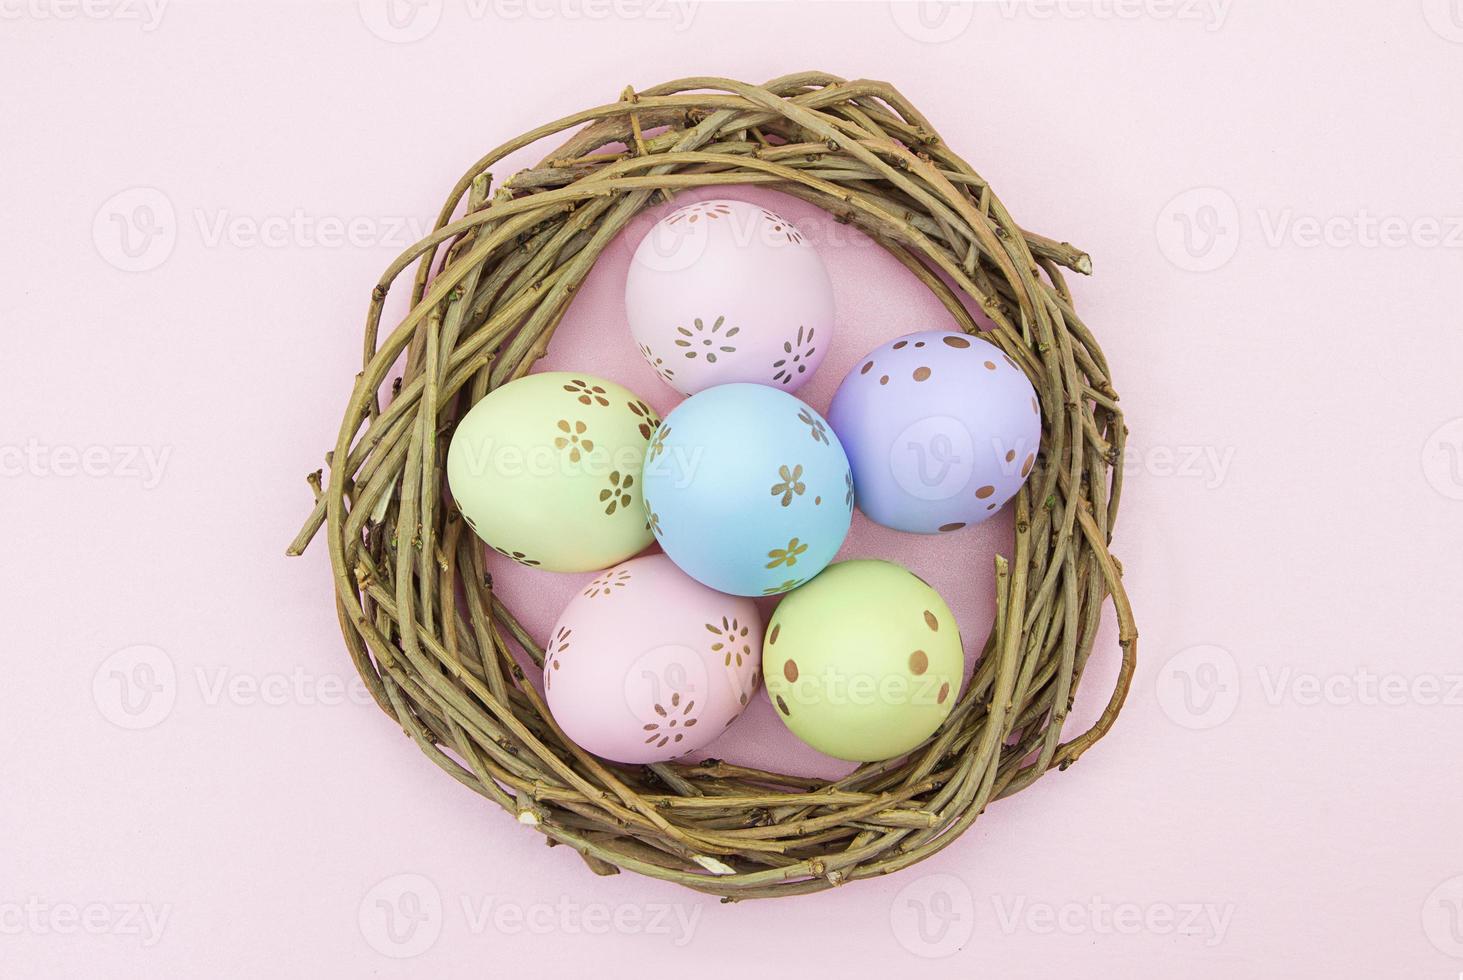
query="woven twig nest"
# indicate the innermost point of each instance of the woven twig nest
(435, 645)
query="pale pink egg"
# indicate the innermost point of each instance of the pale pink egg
(647, 664)
(726, 291)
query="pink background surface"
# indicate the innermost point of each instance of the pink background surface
(1270, 194)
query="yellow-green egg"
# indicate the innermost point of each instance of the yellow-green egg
(864, 662)
(547, 470)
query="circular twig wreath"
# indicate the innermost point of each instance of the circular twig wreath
(435, 645)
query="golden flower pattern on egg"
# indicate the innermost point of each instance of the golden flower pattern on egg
(607, 583)
(692, 213)
(557, 645)
(782, 227)
(788, 555)
(666, 372)
(795, 356)
(815, 425)
(704, 341)
(617, 494)
(731, 641)
(573, 439)
(648, 420)
(791, 483)
(657, 445)
(517, 556)
(587, 393)
(673, 716)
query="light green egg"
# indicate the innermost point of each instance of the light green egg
(864, 662)
(547, 470)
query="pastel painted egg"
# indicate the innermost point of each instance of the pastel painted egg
(941, 429)
(646, 664)
(864, 662)
(546, 470)
(726, 291)
(748, 489)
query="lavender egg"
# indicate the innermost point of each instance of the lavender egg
(941, 429)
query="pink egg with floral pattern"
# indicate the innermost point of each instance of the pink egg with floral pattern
(646, 664)
(726, 291)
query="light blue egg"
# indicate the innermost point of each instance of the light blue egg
(748, 490)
